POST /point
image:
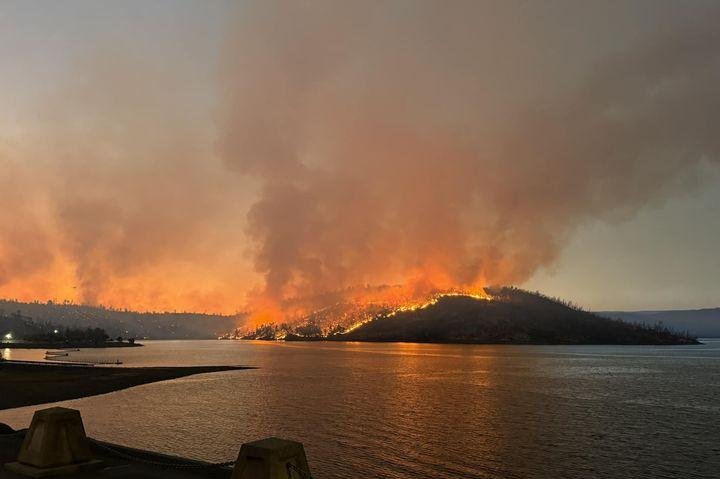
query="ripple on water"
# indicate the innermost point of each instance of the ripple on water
(420, 411)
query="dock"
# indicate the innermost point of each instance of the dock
(63, 356)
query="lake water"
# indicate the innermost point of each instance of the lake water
(424, 410)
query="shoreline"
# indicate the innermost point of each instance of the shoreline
(27, 383)
(67, 345)
(694, 342)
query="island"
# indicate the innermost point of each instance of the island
(504, 315)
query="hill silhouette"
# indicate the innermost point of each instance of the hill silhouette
(512, 316)
(153, 325)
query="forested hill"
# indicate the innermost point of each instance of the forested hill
(125, 323)
(513, 316)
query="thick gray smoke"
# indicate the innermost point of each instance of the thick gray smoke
(111, 195)
(430, 144)
(394, 143)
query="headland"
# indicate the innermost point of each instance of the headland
(28, 383)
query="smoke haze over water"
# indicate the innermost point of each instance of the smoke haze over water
(431, 144)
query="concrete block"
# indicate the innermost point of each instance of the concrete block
(271, 458)
(55, 444)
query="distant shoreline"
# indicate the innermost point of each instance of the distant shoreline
(27, 383)
(69, 345)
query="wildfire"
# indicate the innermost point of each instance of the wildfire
(435, 298)
(483, 295)
(349, 310)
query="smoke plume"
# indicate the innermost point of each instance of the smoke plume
(111, 195)
(392, 148)
(432, 145)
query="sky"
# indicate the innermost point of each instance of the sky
(218, 156)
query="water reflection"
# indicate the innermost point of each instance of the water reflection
(23, 354)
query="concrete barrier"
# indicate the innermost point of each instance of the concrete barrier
(55, 444)
(271, 458)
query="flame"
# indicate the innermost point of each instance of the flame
(345, 311)
(415, 306)
(434, 299)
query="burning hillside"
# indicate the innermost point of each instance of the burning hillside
(342, 311)
(495, 316)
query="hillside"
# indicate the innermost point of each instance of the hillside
(703, 323)
(512, 316)
(124, 323)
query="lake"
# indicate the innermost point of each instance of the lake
(424, 410)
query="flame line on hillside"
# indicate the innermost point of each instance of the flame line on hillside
(323, 322)
(419, 306)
